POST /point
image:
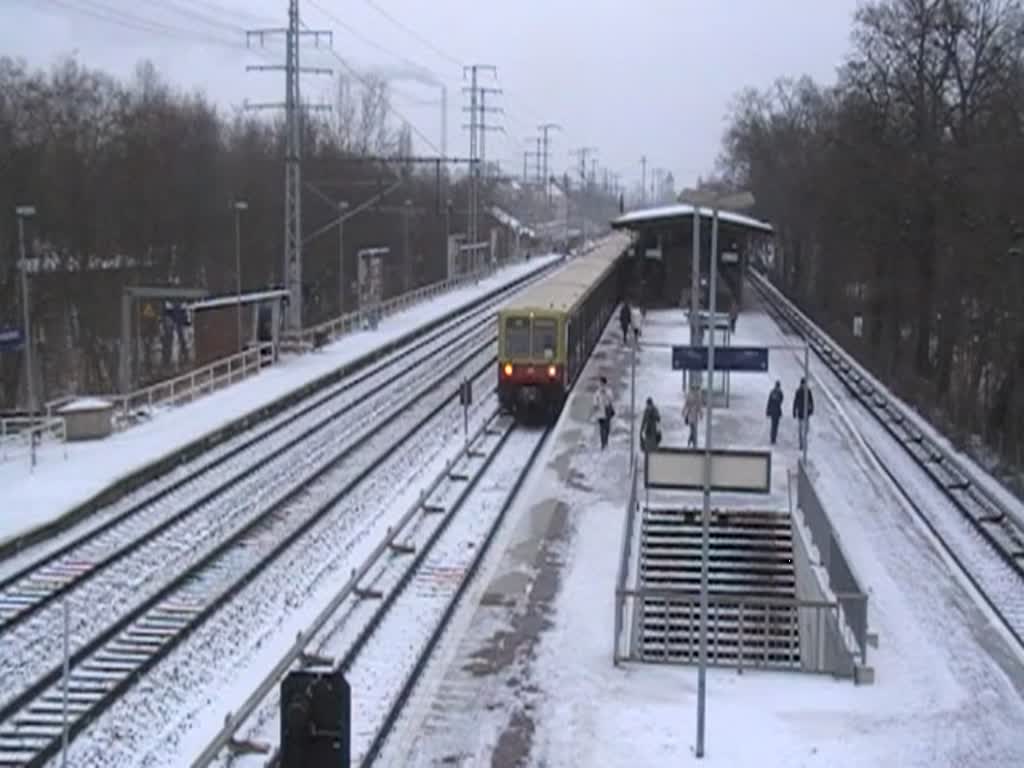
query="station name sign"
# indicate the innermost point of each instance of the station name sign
(748, 359)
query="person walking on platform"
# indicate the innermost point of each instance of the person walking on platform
(734, 313)
(650, 427)
(693, 408)
(625, 318)
(774, 409)
(636, 320)
(605, 411)
(803, 409)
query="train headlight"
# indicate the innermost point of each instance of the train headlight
(552, 371)
(508, 369)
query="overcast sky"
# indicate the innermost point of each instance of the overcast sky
(652, 77)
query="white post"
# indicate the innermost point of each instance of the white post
(706, 512)
(632, 410)
(65, 681)
(805, 424)
(22, 212)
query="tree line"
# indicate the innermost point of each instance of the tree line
(895, 194)
(134, 183)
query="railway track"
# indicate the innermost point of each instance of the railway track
(127, 553)
(383, 624)
(137, 565)
(982, 536)
(116, 657)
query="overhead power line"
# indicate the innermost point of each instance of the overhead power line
(413, 33)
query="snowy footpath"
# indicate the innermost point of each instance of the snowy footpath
(527, 678)
(68, 475)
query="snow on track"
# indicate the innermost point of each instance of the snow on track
(30, 649)
(256, 620)
(233, 563)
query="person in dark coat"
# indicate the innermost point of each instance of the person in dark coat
(803, 409)
(650, 427)
(774, 409)
(625, 318)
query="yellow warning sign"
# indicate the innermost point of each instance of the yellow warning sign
(148, 312)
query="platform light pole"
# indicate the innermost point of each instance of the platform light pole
(239, 206)
(26, 212)
(734, 201)
(342, 207)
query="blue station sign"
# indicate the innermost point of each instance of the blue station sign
(743, 359)
(11, 338)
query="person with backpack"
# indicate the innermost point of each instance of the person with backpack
(803, 409)
(774, 409)
(604, 410)
(650, 427)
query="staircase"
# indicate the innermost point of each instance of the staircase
(752, 621)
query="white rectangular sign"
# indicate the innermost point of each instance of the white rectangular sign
(683, 469)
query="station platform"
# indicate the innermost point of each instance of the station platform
(526, 677)
(69, 474)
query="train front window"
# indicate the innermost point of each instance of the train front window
(544, 339)
(517, 337)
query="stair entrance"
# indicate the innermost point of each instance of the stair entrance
(753, 616)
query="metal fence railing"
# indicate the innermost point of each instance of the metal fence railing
(746, 632)
(323, 333)
(18, 432)
(130, 408)
(853, 600)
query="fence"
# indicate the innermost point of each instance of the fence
(841, 580)
(18, 432)
(128, 409)
(317, 335)
(747, 632)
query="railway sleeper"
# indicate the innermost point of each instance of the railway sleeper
(368, 594)
(400, 548)
(314, 660)
(248, 747)
(434, 509)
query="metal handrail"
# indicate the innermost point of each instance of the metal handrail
(226, 370)
(346, 323)
(627, 546)
(15, 429)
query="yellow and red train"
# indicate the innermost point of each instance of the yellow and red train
(547, 332)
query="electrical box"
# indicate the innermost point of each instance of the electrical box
(316, 720)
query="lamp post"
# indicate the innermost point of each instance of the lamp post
(342, 207)
(735, 201)
(448, 239)
(406, 259)
(239, 206)
(25, 212)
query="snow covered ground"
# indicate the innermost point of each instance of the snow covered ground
(68, 475)
(527, 678)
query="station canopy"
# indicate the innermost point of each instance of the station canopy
(682, 213)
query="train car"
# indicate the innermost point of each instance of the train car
(546, 333)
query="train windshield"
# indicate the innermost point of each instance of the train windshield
(517, 337)
(544, 339)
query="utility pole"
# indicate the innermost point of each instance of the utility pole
(544, 128)
(583, 153)
(444, 121)
(293, 149)
(643, 180)
(26, 212)
(474, 145)
(484, 127)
